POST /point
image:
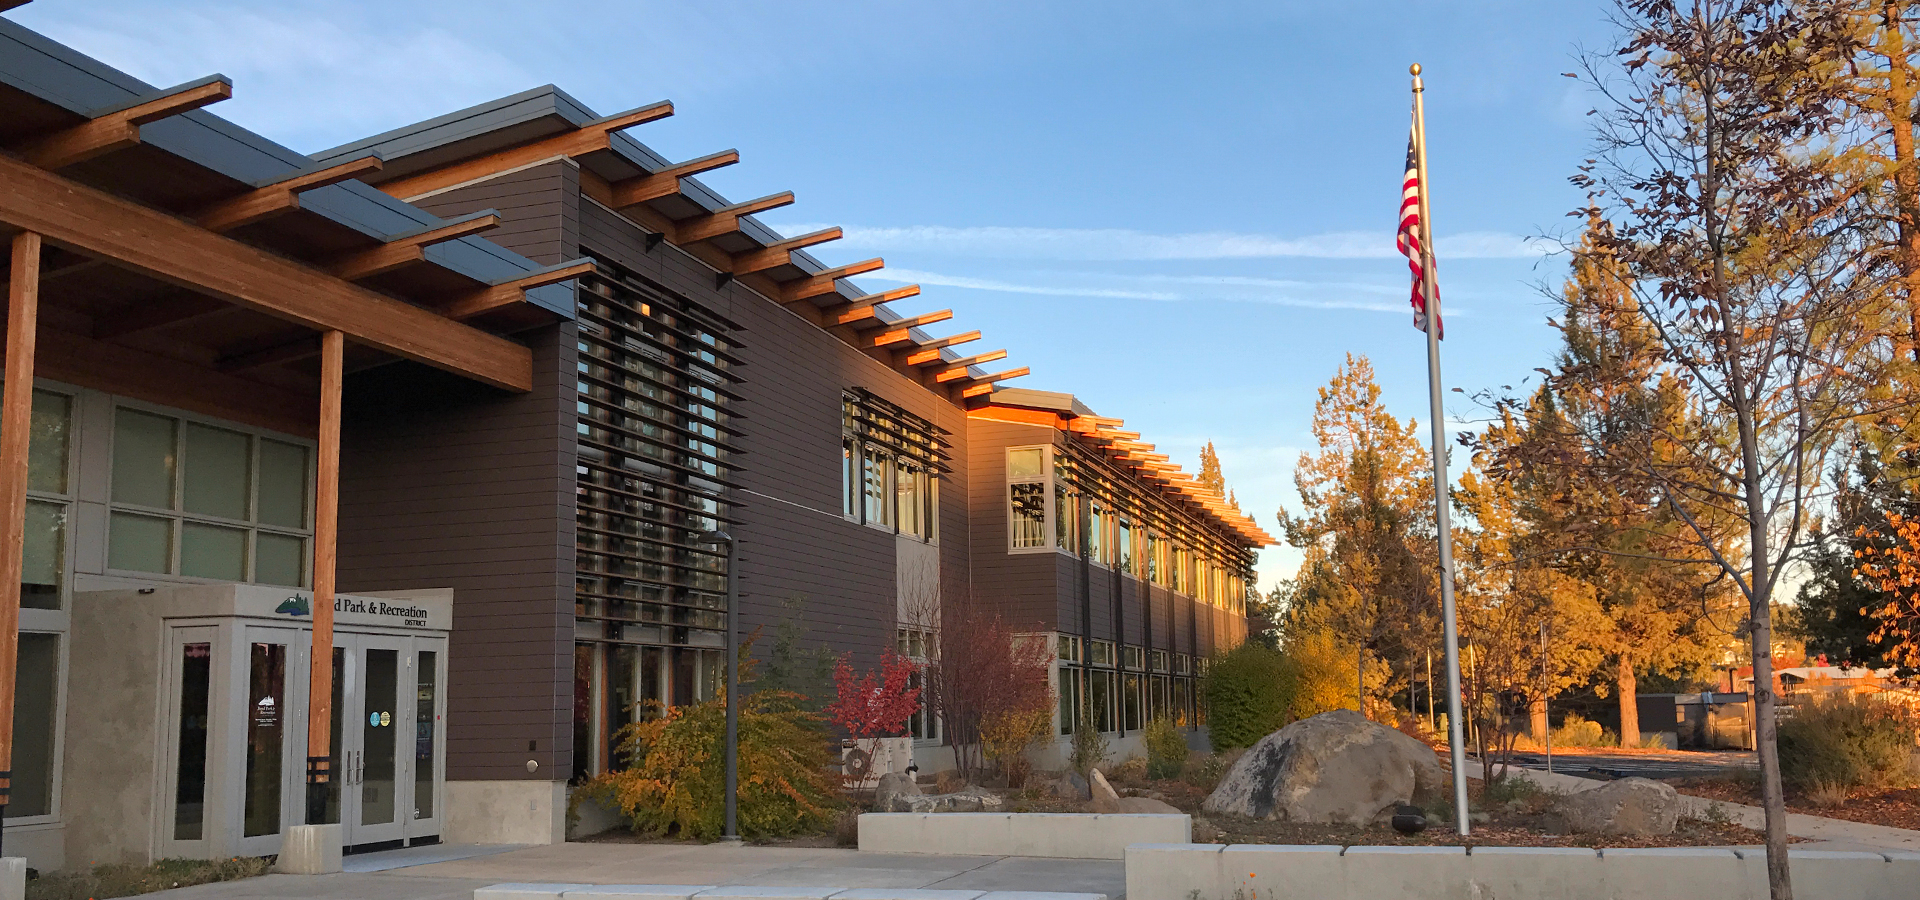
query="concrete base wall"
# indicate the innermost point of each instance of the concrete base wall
(506, 812)
(1218, 872)
(591, 817)
(42, 846)
(1059, 835)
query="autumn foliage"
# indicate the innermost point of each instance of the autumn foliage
(1895, 568)
(988, 678)
(878, 703)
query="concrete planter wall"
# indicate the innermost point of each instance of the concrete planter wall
(1060, 835)
(1220, 872)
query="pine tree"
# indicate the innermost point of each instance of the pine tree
(1210, 475)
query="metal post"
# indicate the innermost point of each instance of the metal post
(1546, 690)
(1456, 749)
(1432, 720)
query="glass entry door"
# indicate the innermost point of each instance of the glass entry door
(271, 734)
(372, 720)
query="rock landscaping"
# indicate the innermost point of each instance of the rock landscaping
(1336, 767)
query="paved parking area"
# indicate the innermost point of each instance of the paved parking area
(1589, 763)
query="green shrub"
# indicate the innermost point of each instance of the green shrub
(119, 880)
(1578, 732)
(676, 775)
(1166, 748)
(1846, 742)
(1090, 749)
(1205, 773)
(1250, 692)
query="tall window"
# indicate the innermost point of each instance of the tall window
(890, 464)
(922, 647)
(1027, 497)
(1123, 546)
(207, 502)
(49, 499)
(1156, 566)
(1097, 534)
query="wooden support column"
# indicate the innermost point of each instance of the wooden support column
(16, 415)
(326, 543)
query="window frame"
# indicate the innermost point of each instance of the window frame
(67, 502)
(856, 504)
(178, 517)
(1043, 482)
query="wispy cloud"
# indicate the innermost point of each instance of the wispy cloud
(1266, 290)
(1127, 244)
(305, 76)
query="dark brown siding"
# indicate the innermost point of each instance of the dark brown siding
(794, 543)
(1025, 587)
(538, 219)
(445, 483)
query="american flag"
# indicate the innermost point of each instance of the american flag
(1409, 238)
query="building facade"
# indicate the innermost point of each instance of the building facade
(518, 558)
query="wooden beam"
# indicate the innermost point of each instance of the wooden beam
(407, 249)
(507, 293)
(591, 137)
(984, 384)
(896, 331)
(822, 282)
(146, 241)
(868, 306)
(301, 348)
(958, 368)
(326, 544)
(781, 253)
(666, 182)
(929, 351)
(281, 196)
(118, 128)
(16, 433)
(12, 4)
(726, 219)
(161, 312)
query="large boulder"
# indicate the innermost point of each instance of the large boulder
(1637, 806)
(1104, 798)
(970, 799)
(1335, 767)
(892, 786)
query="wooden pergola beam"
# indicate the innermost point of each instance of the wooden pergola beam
(301, 348)
(726, 219)
(822, 282)
(280, 196)
(589, 138)
(162, 312)
(958, 368)
(666, 182)
(507, 293)
(118, 128)
(149, 242)
(899, 330)
(407, 249)
(867, 306)
(928, 352)
(781, 253)
(984, 384)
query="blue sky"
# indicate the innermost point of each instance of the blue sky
(1181, 212)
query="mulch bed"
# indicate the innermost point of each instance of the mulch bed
(1895, 808)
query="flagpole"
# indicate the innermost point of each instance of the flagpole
(1456, 745)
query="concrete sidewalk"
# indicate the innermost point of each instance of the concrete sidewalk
(1820, 832)
(609, 863)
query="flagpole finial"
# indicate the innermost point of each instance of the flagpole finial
(1414, 69)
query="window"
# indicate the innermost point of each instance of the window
(49, 500)
(890, 464)
(1100, 690)
(1067, 689)
(1100, 653)
(1097, 535)
(1157, 660)
(1133, 701)
(1123, 546)
(1068, 649)
(1156, 570)
(1027, 498)
(921, 647)
(207, 502)
(35, 718)
(1066, 518)
(1132, 658)
(877, 469)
